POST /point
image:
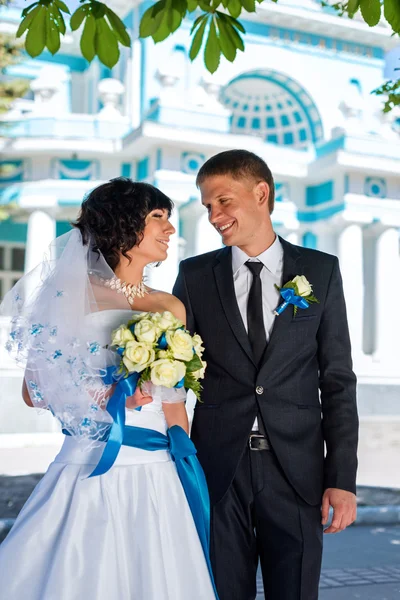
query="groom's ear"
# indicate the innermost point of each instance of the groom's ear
(262, 191)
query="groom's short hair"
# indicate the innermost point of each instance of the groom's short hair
(239, 164)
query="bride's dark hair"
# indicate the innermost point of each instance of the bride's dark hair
(113, 216)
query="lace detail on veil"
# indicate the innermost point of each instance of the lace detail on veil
(52, 338)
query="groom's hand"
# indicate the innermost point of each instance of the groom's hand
(344, 509)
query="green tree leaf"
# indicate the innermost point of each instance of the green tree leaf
(52, 34)
(371, 11)
(148, 23)
(391, 10)
(197, 22)
(181, 6)
(234, 7)
(87, 38)
(59, 19)
(174, 19)
(225, 40)
(36, 36)
(28, 9)
(25, 23)
(197, 39)
(106, 44)
(78, 17)
(192, 5)
(119, 28)
(167, 21)
(62, 6)
(212, 51)
(233, 22)
(233, 34)
(352, 7)
(249, 5)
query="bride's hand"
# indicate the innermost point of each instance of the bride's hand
(138, 399)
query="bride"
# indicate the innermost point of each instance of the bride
(128, 533)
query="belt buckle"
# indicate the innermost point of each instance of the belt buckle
(255, 435)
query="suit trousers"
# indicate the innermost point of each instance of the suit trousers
(261, 518)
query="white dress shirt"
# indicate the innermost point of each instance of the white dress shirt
(271, 274)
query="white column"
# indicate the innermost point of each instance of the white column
(41, 232)
(350, 252)
(207, 237)
(387, 294)
(163, 277)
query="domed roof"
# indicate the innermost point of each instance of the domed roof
(273, 106)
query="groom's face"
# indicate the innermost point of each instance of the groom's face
(237, 208)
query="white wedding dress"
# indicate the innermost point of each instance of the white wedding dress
(125, 535)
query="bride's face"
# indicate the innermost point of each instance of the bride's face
(156, 236)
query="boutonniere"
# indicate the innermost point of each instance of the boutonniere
(298, 291)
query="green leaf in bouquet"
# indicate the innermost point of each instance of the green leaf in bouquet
(194, 365)
(190, 383)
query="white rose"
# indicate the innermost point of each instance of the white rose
(146, 331)
(180, 343)
(200, 373)
(304, 287)
(121, 336)
(138, 356)
(167, 372)
(167, 321)
(197, 345)
(139, 317)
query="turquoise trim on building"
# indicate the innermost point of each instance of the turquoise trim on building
(75, 63)
(142, 169)
(322, 42)
(62, 227)
(329, 147)
(126, 169)
(321, 215)
(16, 171)
(310, 240)
(13, 232)
(319, 194)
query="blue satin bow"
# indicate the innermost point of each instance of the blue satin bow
(289, 296)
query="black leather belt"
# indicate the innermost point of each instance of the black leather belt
(258, 442)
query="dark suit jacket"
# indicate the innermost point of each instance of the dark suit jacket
(309, 388)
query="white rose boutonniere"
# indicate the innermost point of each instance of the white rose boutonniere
(298, 292)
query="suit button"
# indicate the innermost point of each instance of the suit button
(259, 390)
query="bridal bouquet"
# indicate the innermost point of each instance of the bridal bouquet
(159, 349)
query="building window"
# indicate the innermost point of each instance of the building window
(12, 259)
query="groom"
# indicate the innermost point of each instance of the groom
(277, 388)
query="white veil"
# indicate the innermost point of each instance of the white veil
(55, 341)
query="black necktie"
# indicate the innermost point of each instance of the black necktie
(255, 320)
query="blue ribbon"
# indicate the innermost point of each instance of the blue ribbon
(162, 342)
(190, 473)
(289, 296)
(116, 408)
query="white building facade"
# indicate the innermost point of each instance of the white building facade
(299, 97)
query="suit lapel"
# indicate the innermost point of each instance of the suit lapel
(226, 289)
(291, 267)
